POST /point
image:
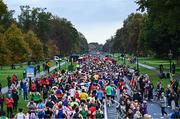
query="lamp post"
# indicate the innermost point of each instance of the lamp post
(118, 57)
(66, 62)
(124, 58)
(71, 64)
(137, 61)
(59, 63)
(170, 58)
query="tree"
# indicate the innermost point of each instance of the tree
(7, 19)
(65, 35)
(25, 18)
(161, 28)
(35, 45)
(52, 48)
(126, 38)
(15, 43)
(4, 53)
(3, 8)
(108, 46)
(54, 32)
(83, 44)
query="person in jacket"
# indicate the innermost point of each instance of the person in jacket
(163, 105)
(1, 100)
(15, 97)
(9, 104)
(25, 90)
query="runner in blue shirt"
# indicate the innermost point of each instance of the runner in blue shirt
(100, 95)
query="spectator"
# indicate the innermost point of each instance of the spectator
(163, 105)
(1, 100)
(25, 90)
(15, 97)
(9, 104)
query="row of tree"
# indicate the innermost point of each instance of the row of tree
(156, 31)
(36, 35)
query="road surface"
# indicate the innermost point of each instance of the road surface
(153, 107)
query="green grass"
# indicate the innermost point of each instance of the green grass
(154, 77)
(152, 74)
(7, 71)
(156, 62)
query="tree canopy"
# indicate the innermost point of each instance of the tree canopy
(156, 31)
(36, 35)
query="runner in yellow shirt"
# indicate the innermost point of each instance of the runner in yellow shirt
(83, 96)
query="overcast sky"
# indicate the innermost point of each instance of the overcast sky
(98, 20)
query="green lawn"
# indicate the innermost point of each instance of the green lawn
(156, 62)
(154, 77)
(7, 71)
(153, 74)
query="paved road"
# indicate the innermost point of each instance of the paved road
(5, 89)
(153, 107)
(155, 111)
(112, 113)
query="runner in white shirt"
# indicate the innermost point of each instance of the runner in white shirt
(20, 115)
(72, 92)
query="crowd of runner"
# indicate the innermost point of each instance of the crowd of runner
(82, 93)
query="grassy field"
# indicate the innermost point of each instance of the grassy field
(7, 71)
(153, 74)
(156, 62)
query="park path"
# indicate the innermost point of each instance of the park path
(147, 66)
(5, 89)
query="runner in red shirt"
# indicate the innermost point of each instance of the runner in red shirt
(121, 85)
(92, 111)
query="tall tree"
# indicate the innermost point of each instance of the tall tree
(52, 48)
(65, 35)
(25, 18)
(4, 52)
(162, 27)
(35, 19)
(83, 44)
(3, 8)
(126, 38)
(7, 19)
(35, 45)
(19, 49)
